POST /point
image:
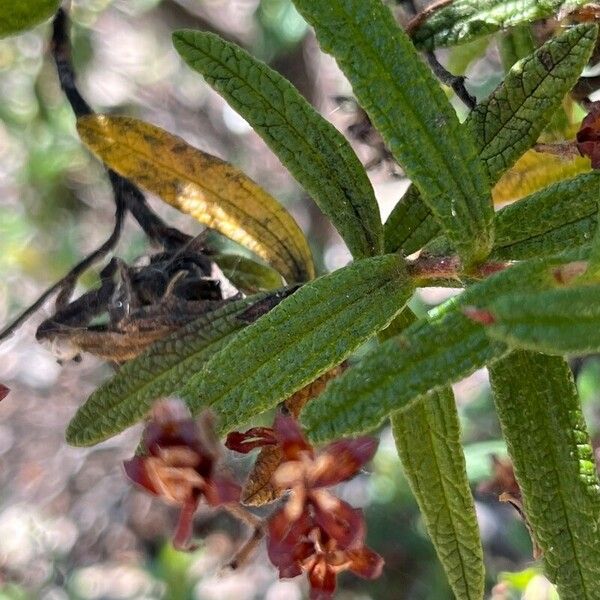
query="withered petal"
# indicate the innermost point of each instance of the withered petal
(346, 525)
(135, 469)
(341, 460)
(256, 437)
(185, 526)
(290, 438)
(287, 542)
(4, 390)
(221, 489)
(365, 563)
(322, 580)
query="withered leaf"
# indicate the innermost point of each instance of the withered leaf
(214, 192)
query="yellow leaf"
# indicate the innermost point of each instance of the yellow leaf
(534, 171)
(214, 192)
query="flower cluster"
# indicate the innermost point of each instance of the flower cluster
(314, 532)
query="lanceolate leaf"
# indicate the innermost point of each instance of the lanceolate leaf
(408, 107)
(246, 274)
(316, 154)
(548, 442)
(557, 218)
(511, 119)
(562, 321)
(463, 20)
(432, 353)
(427, 435)
(505, 125)
(161, 369)
(19, 15)
(204, 186)
(306, 335)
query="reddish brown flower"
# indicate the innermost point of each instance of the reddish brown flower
(307, 473)
(304, 546)
(180, 467)
(588, 136)
(3, 391)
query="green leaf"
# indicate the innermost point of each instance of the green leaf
(511, 119)
(248, 275)
(408, 107)
(505, 125)
(307, 334)
(557, 218)
(427, 437)
(17, 16)
(159, 371)
(439, 350)
(545, 431)
(562, 321)
(313, 150)
(463, 20)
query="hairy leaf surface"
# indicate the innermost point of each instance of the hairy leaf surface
(562, 321)
(463, 20)
(17, 16)
(408, 107)
(307, 334)
(434, 352)
(547, 439)
(315, 153)
(158, 372)
(427, 435)
(504, 126)
(214, 192)
(557, 218)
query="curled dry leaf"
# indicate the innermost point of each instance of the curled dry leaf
(259, 489)
(3, 391)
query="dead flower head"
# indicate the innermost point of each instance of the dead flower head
(180, 466)
(314, 532)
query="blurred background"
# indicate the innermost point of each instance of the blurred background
(71, 526)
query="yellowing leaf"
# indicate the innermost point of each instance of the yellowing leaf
(214, 192)
(534, 171)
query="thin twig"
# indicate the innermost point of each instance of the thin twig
(153, 226)
(258, 532)
(456, 82)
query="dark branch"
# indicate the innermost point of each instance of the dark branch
(456, 82)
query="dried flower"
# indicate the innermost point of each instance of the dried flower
(180, 467)
(588, 136)
(314, 532)
(304, 546)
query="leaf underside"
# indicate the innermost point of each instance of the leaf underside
(545, 431)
